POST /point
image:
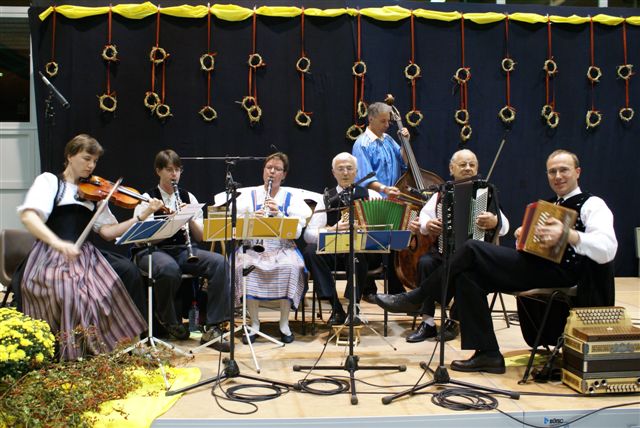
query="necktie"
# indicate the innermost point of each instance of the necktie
(559, 201)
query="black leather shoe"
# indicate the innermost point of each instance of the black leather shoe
(284, 338)
(451, 330)
(397, 303)
(178, 331)
(336, 318)
(424, 332)
(356, 321)
(213, 332)
(370, 298)
(252, 338)
(480, 362)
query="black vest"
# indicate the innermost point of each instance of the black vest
(178, 238)
(68, 221)
(333, 216)
(570, 258)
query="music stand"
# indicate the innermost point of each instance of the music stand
(231, 369)
(366, 242)
(249, 227)
(148, 232)
(351, 364)
(441, 375)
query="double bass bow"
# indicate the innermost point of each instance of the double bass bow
(413, 186)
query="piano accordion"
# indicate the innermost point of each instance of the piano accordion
(601, 351)
(470, 199)
(536, 214)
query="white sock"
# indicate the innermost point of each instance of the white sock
(253, 309)
(429, 320)
(285, 307)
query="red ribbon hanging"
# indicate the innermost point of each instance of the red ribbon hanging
(624, 46)
(358, 81)
(209, 52)
(53, 36)
(253, 87)
(506, 37)
(153, 64)
(548, 82)
(413, 61)
(463, 86)
(302, 55)
(109, 20)
(592, 53)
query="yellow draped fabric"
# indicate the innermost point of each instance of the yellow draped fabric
(150, 397)
(231, 12)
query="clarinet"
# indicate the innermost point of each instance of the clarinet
(192, 258)
(258, 246)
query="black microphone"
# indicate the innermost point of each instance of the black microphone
(61, 99)
(348, 188)
(366, 177)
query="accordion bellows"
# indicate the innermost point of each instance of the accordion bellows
(382, 214)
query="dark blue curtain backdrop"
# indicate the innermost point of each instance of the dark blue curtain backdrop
(610, 154)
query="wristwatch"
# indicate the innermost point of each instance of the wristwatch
(383, 188)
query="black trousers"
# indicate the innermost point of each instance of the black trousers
(393, 282)
(131, 277)
(168, 265)
(322, 265)
(479, 268)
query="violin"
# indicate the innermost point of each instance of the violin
(96, 188)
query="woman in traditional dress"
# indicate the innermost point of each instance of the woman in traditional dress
(75, 289)
(279, 269)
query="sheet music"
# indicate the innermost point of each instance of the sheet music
(159, 229)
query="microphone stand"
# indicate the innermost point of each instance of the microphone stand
(231, 369)
(440, 374)
(49, 117)
(351, 363)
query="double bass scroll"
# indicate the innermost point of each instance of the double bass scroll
(406, 261)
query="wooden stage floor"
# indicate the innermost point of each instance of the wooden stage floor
(294, 408)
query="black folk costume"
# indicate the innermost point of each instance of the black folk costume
(85, 302)
(322, 265)
(169, 260)
(479, 268)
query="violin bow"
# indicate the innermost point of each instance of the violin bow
(495, 159)
(101, 207)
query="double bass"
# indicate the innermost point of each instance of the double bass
(416, 178)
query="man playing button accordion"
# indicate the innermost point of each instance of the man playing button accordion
(479, 268)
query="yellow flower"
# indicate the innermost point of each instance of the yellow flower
(39, 357)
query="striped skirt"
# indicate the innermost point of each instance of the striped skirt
(84, 301)
(278, 273)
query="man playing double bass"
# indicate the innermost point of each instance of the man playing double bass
(376, 151)
(462, 166)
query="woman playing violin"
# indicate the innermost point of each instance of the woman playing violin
(70, 286)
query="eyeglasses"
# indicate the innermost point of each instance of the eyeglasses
(348, 168)
(466, 164)
(171, 170)
(562, 171)
(274, 168)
